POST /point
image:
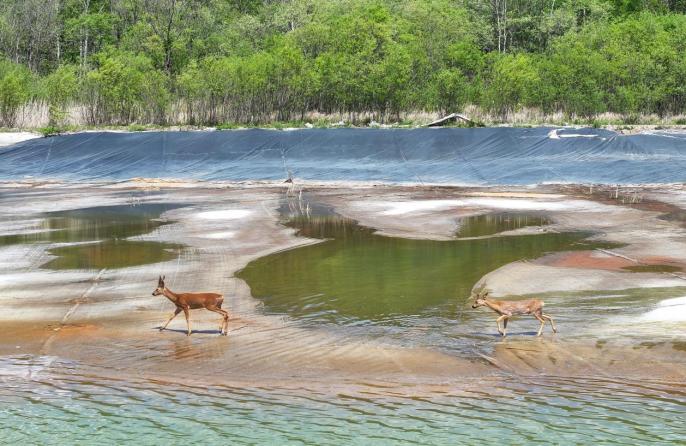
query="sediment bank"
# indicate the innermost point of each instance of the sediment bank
(108, 318)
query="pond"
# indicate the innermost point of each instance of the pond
(493, 223)
(98, 237)
(357, 276)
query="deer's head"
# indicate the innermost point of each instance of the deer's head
(480, 295)
(160, 286)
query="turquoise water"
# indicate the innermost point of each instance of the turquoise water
(61, 403)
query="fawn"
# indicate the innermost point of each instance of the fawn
(508, 309)
(191, 301)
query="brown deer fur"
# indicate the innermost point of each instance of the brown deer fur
(191, 301)
(507, 309)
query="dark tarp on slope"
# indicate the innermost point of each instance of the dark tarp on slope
(455, 155)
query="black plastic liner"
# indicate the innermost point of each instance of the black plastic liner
(487, 156)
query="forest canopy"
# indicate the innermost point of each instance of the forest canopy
(206, 62)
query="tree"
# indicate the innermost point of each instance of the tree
(450, 91)
(125, 87)
(513, 82)
(15, 91)
(59, 89)
(29, 32)
(170, 23)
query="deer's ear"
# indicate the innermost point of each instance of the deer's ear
(163, 277)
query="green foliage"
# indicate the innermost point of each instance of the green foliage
(15, 91)
(253, 62)
(451, 89)
(124, 86)
(136, 128)
(630, 67)
(513, 82)
(60, 88)
(50, 130)
(227, 126)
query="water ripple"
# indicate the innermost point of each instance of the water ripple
(67, 404)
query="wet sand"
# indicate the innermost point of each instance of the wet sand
(108, 319)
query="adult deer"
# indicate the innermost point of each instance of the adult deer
(191, 301)
(507, 309)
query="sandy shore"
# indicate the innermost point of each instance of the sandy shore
(108, 319)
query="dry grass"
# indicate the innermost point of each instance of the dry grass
(35, 115)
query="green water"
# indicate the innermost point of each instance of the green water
(94, 223)
(356, 275)
(489, 224)
(652, 268)
(111, 254)
(107, 228)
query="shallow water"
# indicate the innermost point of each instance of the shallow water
(48, 400)
(358, 277)
(60, 402)
(493, 223)
(111, 254)
(106, 229)
(415, 293)
(653, 268)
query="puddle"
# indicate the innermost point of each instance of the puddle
(111, 254)
(489, 224)
(108, 228)
(96, 223)
(678, 215)
(652, 268)
(356, 276)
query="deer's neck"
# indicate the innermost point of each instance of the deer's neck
(169, 294)
(493, 305)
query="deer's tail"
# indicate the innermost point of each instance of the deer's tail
(220, 301)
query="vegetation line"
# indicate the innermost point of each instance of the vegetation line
(228, 63)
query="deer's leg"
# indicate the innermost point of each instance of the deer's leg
(552, 323)
(540, 329)
(225, 319)
(497, 321)
(505, 326)
(226, 322)
(188, 320)
(176, 313)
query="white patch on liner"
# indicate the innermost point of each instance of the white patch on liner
(220, 235)
(9, 138)
(406, 207)
(670, 310)
(225, 214)
(554, 135)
